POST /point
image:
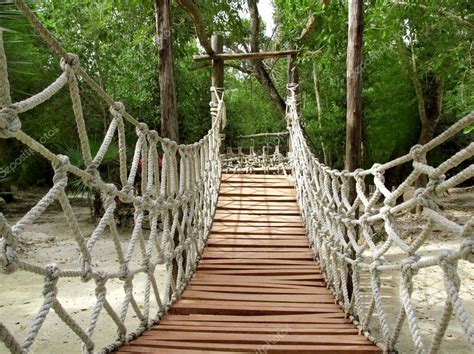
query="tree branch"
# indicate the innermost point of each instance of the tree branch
(308, 29)
(259, 70)
(193, 11)
(469, 25)
(239, 68)
(410, 66)
(255, 26)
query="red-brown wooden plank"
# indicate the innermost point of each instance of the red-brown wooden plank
(257, 277)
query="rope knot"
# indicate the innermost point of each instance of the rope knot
(109, 200)
(142, 128)
(10, 124)
(467, 250)
(51, 280)
(70, 65)
(407, 267)
(153, 136)
(100, 283)
(8, 246)
(374, 266)
(124, 272)
(9, 258)
(375, 168)
(385, 211)
(357, 172)
(117, 109)
(416, 153)
(380, 176)
(94, 175)
(86, 269)
(425, 200)
(60, 173)
(450, 269)
(434, 182)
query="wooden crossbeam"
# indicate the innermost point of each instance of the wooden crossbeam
(246, 56)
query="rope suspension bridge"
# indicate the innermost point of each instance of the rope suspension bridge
(283, 262)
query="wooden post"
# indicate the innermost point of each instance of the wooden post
(354, 106)
(217, 81)
(354, 90)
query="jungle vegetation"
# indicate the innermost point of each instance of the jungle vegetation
(417, 72)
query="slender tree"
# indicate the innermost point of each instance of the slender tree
(354, 89)
(168, 104)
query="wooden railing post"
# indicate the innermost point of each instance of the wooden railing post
(217, 80)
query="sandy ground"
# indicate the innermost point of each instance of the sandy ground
(50, 241)
(429, 292)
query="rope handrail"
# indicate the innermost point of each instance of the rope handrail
(180, 195)
(343, 234)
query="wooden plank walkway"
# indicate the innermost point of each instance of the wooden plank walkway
(257, 287)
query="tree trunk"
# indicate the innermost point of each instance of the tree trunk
(354, 105)
(354, 90)
(265, 80)
(258, 68)
(433, 101)
(317, 93)
(168, 106)
(429, 99)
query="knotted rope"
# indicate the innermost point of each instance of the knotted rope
(345, 235)
(176, 203)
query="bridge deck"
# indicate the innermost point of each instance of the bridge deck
(257, 287)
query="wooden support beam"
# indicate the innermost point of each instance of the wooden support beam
(217, 44)
(265, 135)
(245, 56)
(217, 80)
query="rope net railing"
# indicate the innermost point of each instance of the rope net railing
(173, 209)
(270, 157)
(355, 242)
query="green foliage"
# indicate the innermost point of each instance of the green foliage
(248, 111)
(115, 40)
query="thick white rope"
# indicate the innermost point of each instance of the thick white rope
(183, 198)
(344, 235)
